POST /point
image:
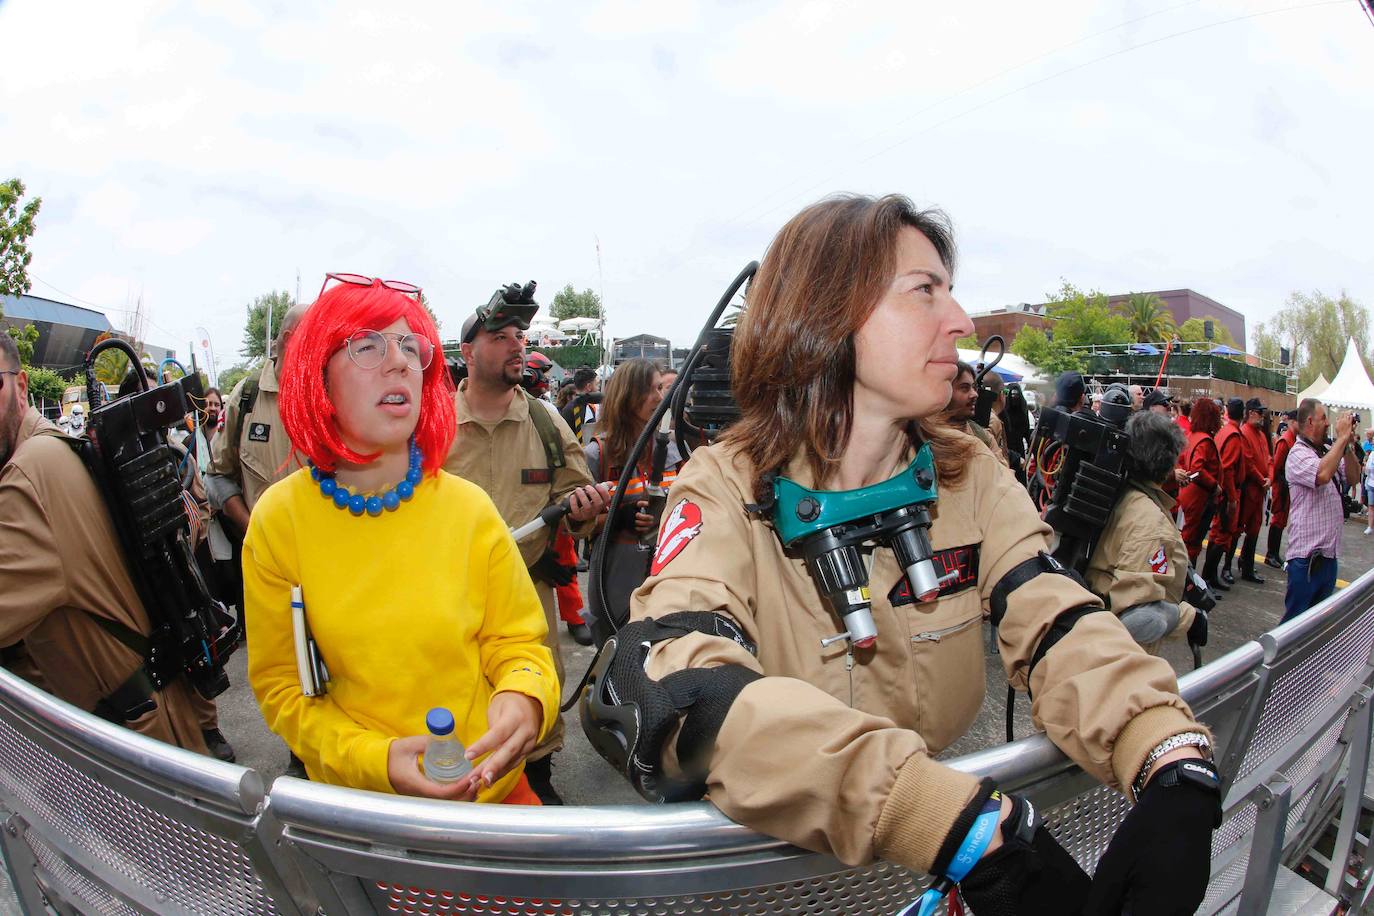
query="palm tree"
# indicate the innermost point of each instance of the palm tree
(1150, 319)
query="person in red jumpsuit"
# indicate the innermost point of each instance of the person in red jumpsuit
(1278, 497)
(1201, 463)
(1221, 539)
(1254, 486)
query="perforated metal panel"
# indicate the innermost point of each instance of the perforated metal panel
(1311, 684)
(1084, 825)
(169, 860)
(881, 889)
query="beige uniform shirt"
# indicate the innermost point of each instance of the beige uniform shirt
(262, 453)
(506, 458)
(60, 562)
(1141, 556)
(831, 750)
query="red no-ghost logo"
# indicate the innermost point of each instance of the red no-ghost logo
(681, 527)
(1159, 561)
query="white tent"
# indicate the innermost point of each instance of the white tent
(1029, 374)
(579, 324)
(1351, 388)
(1315, 389)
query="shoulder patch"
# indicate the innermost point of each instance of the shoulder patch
(959, 563)
(259, 432)
(680, 528)
(1159, 561)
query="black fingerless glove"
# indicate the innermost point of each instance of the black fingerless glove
(1159, 861)
(1029, 873)
(1197, 633)
(547, 569)
(625, 516)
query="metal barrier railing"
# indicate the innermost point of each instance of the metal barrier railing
(99, 819)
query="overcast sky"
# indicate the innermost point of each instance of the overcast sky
(201, 154)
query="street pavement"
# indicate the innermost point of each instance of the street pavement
(582, 777)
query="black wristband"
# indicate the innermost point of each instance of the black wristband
(1190, 772)
(955, 838)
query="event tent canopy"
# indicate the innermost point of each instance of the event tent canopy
(1351, 387)
(1009, 366)
(1224, 350)
(1145, 349)
(1315, 389)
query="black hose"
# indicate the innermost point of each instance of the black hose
(95, 391)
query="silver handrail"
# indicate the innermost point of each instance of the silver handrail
(97, 815)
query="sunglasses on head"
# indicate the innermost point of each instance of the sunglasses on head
(400, 286)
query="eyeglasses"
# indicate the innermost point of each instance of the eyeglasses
(367, 349)
(400, 286)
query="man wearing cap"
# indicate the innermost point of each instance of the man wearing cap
(1279, 498)
(1158, 401)
(1254, 486)
(501, 448)
(1070, 394)
(1220, 540)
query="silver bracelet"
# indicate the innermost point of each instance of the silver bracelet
(1183, 739)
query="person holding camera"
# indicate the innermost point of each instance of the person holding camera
(1139, 566)
(517, 449)
(1317, 475)
(736, 675)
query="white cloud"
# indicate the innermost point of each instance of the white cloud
(203, 154)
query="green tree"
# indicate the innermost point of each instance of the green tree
(1149, 317)
(254, 332)
(16, 226)
(1265, 343)
(1050, 354)
(568, 303)
(1194, 331)
(1083, 318)
(1317, 328)
(231, 377)
(970, 342)
(24, 341)
(46, 384)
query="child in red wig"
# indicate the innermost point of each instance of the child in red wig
(414, 591)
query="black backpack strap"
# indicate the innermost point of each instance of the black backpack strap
(248, 396)
(548, 432)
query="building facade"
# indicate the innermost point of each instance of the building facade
(1009, 320)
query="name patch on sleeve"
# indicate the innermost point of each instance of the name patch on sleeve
(536, 475)
(960, 563)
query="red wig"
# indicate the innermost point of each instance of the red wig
(1206, 416)
(306, 411)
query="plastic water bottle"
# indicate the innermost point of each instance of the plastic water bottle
(444, 760)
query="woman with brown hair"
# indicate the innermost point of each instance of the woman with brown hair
(844, 353)
(1202, 463)
(632, 396)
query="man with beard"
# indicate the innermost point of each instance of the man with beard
(525, 457)
(959, 413)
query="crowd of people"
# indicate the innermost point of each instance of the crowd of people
(359, 482)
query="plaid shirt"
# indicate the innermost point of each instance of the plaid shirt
(1315, 519)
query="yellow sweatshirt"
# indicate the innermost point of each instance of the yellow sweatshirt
(426, 606)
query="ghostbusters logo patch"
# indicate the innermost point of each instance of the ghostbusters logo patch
(680, 528)
(961, 562)
(1159, 562)
(259, 432)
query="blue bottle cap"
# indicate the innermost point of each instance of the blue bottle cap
(439, 721)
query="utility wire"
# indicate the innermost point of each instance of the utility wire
(1053, 76)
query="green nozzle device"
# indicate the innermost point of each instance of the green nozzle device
(832, 529)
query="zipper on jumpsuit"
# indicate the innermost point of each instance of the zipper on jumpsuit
(937, 635)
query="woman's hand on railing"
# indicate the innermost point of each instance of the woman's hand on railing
(407, 778)
(513, 721)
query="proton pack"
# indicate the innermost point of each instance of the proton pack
(135, 470)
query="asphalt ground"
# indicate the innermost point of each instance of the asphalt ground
(582, 777)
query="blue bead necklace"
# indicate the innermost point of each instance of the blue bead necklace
(357, 503)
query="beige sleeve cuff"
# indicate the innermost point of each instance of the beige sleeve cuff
(925, 801)
(1143, 734)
